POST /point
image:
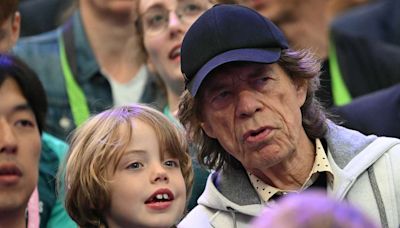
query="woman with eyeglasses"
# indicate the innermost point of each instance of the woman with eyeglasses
(162, 26)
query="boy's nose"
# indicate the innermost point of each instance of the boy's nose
(160, 175)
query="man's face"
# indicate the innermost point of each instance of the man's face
(253, 110)
(20, 147)
(9, 32)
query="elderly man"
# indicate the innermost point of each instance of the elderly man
(250, 107)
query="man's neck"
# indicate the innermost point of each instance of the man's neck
(310, 27)
(292, 173)
(115, 44)
(13, 219)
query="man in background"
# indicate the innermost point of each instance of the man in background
(51, 209)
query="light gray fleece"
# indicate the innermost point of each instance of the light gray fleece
(367, 173)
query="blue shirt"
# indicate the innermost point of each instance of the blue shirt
(42, 54)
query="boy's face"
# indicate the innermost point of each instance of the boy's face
(9, 32)
(20, 147)
(146, 191)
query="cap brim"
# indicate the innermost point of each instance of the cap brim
(245, 55)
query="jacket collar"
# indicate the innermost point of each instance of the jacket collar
(77, 42)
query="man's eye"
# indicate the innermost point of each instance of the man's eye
(261, 82)
(223, 94)
(171, 163)
(25, 123)
(135, 165)
(263, 79)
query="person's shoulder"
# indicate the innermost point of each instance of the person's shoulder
(54, 146)
(360, 20)
(197, 217)
(372, 102)
(46, 38)
(365, 113)
(37, 47)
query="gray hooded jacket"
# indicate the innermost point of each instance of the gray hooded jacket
(367, 174)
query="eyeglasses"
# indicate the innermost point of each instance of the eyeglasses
(155, 20)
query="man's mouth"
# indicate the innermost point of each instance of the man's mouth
(9, 173)
(255, 136)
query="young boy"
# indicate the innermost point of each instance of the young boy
(128, 167)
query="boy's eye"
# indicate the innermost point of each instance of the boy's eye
(171, 163)
(135, 165)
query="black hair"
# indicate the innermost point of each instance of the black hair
(29, 83)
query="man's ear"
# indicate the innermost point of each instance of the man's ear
(301, 91)
(15, 28)
(208, 129)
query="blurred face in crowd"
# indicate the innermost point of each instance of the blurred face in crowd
(253, 110)
(9, 32)
(147, 190)
(163, 24)
(278, 11)
(20, 147)
(117, 8)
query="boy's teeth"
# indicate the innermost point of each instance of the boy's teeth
(162, 196)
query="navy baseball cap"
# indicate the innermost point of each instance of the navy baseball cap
(228, 33)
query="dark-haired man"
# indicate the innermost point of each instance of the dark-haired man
(22, 116)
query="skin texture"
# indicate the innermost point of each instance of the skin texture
(9, 32)
(140, 173)
(253, 110)
(276, 10)
(110, 7)
(19, 150)
(163, 49)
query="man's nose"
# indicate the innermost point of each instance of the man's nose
(8, 141)
(247, 104)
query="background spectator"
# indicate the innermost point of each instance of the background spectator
(90, 63)
(22, 116)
